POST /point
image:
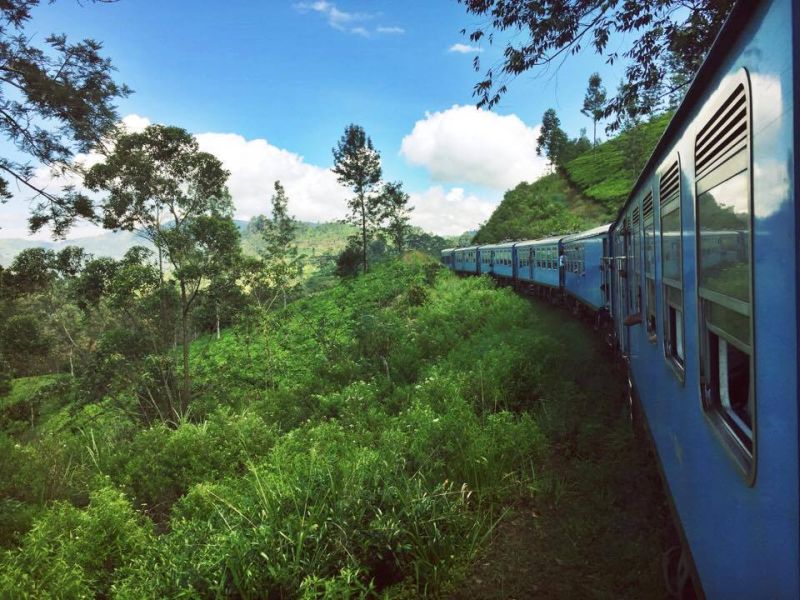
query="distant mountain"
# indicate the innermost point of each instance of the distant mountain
(113, 244)
(314, 239)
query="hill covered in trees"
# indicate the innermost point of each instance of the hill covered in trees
(582, 193)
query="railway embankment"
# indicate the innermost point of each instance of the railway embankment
(408, 432)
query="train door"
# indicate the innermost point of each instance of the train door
(622, 283)
(605, 274)
(531, 258)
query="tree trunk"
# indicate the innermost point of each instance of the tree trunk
(216, 307)
(594, 132)
(185, 338)
(364, 232)
(162, 300)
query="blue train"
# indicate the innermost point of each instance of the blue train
(698, 276)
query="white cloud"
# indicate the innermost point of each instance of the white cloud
(464, 49)
(255, 165)
(338, 19)
(350, 22)
(465, 144)
(135, 123)
(449, 212)
(390, 30)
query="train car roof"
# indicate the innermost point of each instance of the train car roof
(543, 242)
(497, 246)
(467, 248)
(726, 39)
(602, 229)
(447, 250)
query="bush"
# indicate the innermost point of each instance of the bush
(161, 464)
(73, 553)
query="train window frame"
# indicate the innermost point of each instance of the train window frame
(673, 299)
(723, 157)
(649, 271)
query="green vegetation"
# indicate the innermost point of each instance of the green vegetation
(536, 210)
(585, 192)
(369, 439)
(607, 173)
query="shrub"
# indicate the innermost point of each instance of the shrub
(73, 553)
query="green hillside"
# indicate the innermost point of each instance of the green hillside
(313, 239)
(586, 192)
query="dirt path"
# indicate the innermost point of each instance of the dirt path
(595, 524)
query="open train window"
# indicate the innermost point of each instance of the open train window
(724, 271)
(672, 267)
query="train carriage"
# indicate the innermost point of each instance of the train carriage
(586, 276)
(448, 257)
(709, 306)
(467, 260)
(540, 258)
(498, 260)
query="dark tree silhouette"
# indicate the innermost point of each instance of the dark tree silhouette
(594, 103)
(395, 214)
(552, 139)
(358, 166)
(666, 35)
(56, 99)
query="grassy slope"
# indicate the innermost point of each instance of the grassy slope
(587, 192)
(369, 435)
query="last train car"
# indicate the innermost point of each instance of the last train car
(706, 264)
(448, 256)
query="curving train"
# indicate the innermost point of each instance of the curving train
(697, 279)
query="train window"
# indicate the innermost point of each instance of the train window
(635, 289)
(672, 267)
(724, 268)
(649, 266)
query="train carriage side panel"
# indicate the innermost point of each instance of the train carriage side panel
(496, 260)
(545, 271)
(715, 352)
(584, 269)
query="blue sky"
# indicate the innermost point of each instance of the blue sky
(276, 82)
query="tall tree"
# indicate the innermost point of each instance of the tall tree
(32, 270)
(281, 259)
(158, 182)
(56, 99)
(70, 261)
(358, 166)
(395, 214)
(552, 140)
(664, 34)
(594, 103)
